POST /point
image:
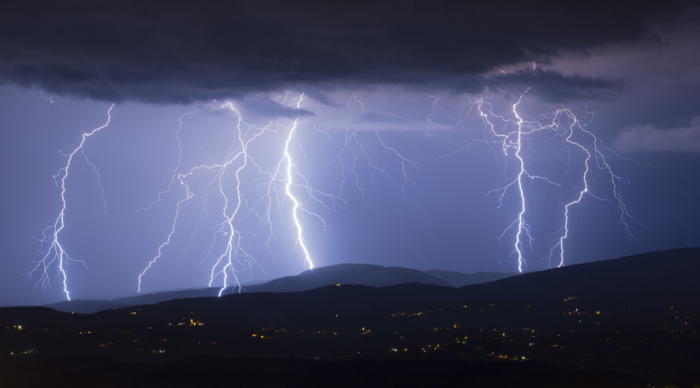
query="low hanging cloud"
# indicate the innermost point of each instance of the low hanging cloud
(649, 138)
(555, 87)
(176, 51)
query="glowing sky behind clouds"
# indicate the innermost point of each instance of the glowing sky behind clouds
(633, 79)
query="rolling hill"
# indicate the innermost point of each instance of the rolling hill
(347, 274)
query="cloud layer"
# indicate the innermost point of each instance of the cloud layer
(180, 51)
(650, 138)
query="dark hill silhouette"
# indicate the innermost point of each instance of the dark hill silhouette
(676, 269)
(95, 305)
(459, 279)
(163, 296)
(86, 306)
(636, 278)
(673, 270)
(646, 274)
(356, 274)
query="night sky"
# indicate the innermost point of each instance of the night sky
(390, 139)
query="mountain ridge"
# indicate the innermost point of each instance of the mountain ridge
(652, 271)
(371, 275)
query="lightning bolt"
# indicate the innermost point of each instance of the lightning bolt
(288, 170)
(513, 140)
(522, 226)
(357, 150)
(578, 200)
(51, 234)
(288, 190)
(172, 175)
(234, 250)
(237, 207)
(405, 163)
(238, 153)
(507, 143)
(602, 164)
(282, 188)
(287, 183)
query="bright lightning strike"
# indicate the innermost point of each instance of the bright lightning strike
(238, 157)
(260, 175)
(51, 234)
(288, 190)
(522, 227)
(625, 217)
(262, 179)
(575, 136)
(233, 246)
(238, 206)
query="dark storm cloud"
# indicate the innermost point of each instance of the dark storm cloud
(170, 51)
(380, 121)
(322, 98)
(553, 86)
(262, 106)
(648, 138)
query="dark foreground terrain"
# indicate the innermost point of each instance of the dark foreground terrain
(630, 322)
(216, 371)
